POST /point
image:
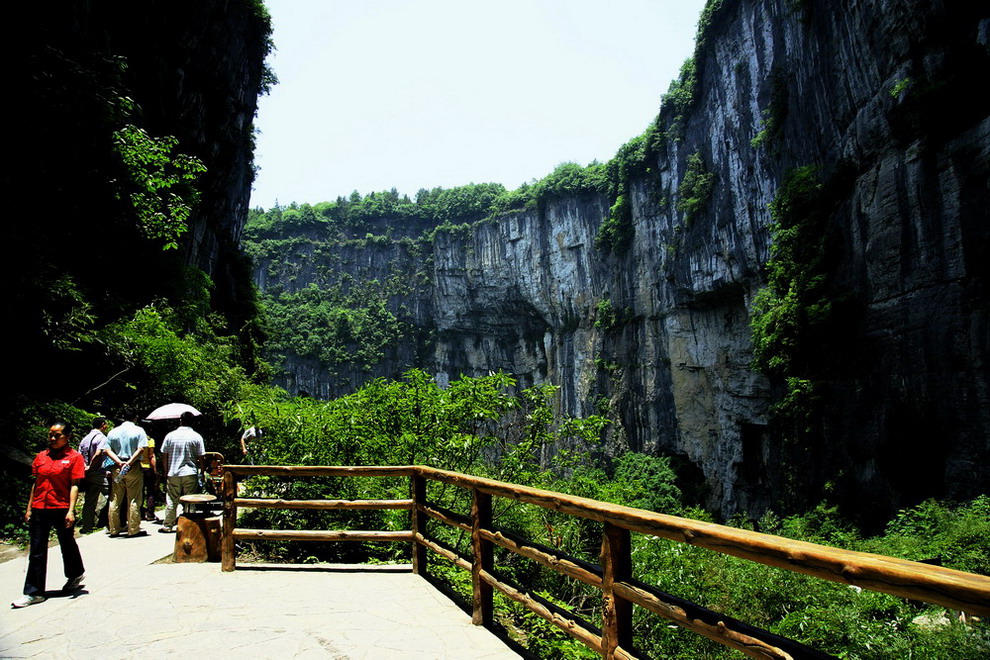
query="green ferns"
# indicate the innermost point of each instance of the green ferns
(794, 300)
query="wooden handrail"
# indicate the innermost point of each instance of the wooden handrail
(899, 577)
(324, 505)
(934, 584)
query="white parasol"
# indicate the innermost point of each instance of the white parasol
(172, 411)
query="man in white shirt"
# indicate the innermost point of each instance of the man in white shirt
(181, 450)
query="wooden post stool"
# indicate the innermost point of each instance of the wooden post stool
(197, 537)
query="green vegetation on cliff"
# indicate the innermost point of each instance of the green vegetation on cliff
(436, 208)
(339, 326)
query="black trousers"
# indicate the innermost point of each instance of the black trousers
(42, 521)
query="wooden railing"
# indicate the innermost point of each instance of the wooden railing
(933, 584)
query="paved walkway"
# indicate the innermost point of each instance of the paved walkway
(132, 607)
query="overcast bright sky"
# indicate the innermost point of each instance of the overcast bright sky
(376, 94)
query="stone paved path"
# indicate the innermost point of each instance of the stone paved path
(132, 607)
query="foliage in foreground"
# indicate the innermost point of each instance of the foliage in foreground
(477, 426)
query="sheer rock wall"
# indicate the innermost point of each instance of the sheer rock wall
(880, 96)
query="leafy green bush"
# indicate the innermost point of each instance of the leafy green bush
(957, 536)
(573, 179)
(795, 296)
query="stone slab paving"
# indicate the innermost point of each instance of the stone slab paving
(132, 607)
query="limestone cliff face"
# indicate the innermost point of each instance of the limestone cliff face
(881, 97)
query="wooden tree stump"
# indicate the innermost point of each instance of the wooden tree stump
(197, 536)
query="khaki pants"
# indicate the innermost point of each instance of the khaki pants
(129, 490)
(176, 488)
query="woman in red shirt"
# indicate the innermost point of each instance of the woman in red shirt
(57, 472)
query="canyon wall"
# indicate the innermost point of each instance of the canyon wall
(881, 99)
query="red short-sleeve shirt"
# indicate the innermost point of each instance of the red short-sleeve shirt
(53, 473)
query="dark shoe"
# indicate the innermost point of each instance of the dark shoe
(115, 535)
(74, 583)
(141, 533)
(167, 530)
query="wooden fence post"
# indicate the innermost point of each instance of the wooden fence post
(481, 518)
(227, 551)
(616, 611)
(418, 524)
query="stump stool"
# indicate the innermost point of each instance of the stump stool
(197, 535)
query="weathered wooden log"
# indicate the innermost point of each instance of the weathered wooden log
(616, 610)
(569, 623)
(898, 577)
(228, 559)
(743, 637)
(445, 552)
(320, 535)
(483, 560)
(417, 523)
(570, 566)
(322, 505)
(447, 516)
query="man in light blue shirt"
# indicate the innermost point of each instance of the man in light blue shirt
(125, 445)
(182, 452)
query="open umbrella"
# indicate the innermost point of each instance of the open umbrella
(172, 411)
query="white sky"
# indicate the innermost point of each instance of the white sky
(411, 94)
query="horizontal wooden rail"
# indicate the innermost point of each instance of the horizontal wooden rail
(449, 554)
(570, 566)
(572, 625)
(898, 577)
(243, 534)
(320, 505)
(741, 636)
(322, 470)
(446, 516)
